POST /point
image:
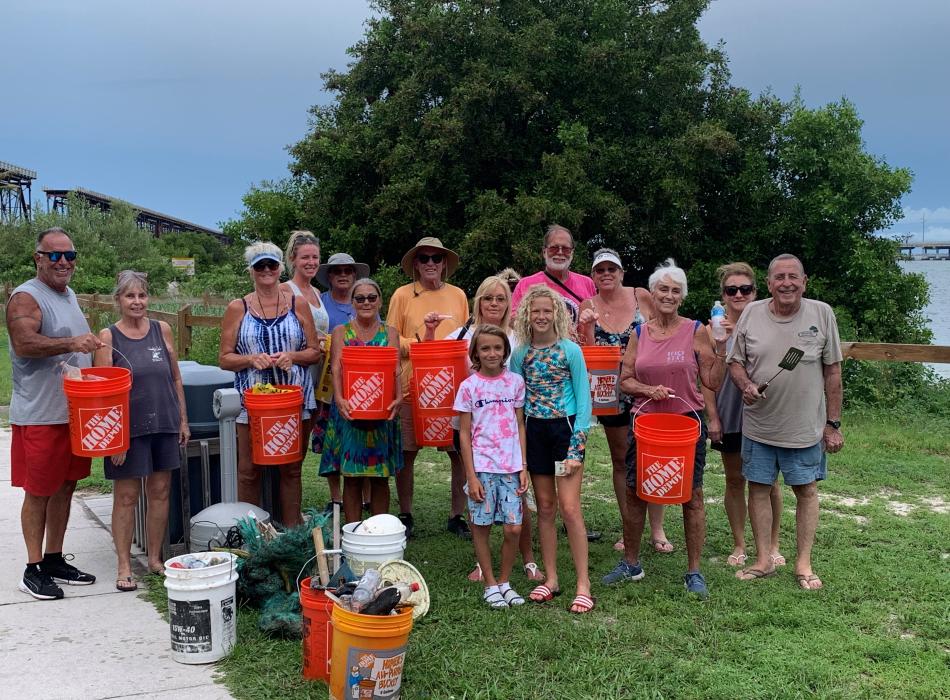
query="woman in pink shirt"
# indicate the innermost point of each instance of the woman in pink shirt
(664, 360)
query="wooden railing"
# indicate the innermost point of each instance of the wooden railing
(896, 352)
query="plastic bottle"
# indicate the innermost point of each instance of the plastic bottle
(716, 317)
(365, 590)
(405, 589)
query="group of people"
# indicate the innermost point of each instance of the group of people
(524, 412)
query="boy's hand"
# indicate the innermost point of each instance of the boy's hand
(523, 477)
(475, 490)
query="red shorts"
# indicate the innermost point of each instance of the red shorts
(41, 459)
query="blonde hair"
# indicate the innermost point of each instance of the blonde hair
(297, 239)
(487, 329)
(484, 288)
(562, 319)
(728, 270)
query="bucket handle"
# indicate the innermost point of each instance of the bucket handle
(672, 396)
(114, 349)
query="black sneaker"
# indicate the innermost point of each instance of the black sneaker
(592, 535)
(61, 571)
(40, 585)
(408, 522)
(457, 526)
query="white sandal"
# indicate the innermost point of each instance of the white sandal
(532, 571)
(476, 574)
(512, 598)
(495, 599)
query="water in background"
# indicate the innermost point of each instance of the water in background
(937, 273)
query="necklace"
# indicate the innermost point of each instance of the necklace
(264, 316)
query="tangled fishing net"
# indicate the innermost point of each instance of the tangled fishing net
(269, 568)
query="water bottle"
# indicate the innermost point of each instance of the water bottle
(716, 317)
(365, 590)
(405, 590)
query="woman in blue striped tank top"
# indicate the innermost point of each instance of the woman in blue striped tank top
(268, 336)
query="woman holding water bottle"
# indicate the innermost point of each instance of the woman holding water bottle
(724, 410)
(663, 361)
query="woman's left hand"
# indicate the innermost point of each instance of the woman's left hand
(393, 408)
(282, 360)
(571, 466)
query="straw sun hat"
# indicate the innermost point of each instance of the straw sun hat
(451, 257)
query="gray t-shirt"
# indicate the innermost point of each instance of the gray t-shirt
(38, 397)
(793, 414)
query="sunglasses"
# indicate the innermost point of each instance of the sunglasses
(368, 298)
(435, 257)
(55, 255)
(746, 289)
(341, 271)
(554, 249)
(262, 265)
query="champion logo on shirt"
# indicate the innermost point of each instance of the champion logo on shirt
(480, 403)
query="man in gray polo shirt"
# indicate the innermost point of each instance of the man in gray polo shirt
(790, 426)
(46, 327)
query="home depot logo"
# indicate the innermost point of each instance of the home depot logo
(366, 390)
(662, 476)
(436, 388)
(101, 427)
(603, 387)
(280, 434)
(434, 429)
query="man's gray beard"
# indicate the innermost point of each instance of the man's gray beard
(557, 267)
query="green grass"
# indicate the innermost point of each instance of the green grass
(879, 628)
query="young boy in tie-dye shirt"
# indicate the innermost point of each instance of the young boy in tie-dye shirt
(491, 432)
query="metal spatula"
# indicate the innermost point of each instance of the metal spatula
(790, 361)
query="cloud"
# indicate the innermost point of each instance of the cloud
(940, 215)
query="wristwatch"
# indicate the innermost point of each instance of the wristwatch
(836, 424)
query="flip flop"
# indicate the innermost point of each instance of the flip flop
(805, 582)
(777, 559)
(585, 602)
(543, 594)
(663, 546)
(753, 574)
(126, 585)
(737, 559)
(476, 574)
(532, 571)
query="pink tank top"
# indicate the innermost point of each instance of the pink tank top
(672, 363)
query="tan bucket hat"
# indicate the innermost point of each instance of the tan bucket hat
(451, 257)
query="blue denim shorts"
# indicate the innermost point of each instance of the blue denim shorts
(761, 463)
(502, 504)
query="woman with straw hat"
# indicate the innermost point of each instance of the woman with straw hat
(429, 264)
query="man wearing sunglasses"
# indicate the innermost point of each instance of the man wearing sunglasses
(558, 252)
(46, 328)
(791, 425)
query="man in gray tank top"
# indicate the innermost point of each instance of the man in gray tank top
(46, 327)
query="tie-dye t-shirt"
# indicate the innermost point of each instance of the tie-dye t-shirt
(492, 402)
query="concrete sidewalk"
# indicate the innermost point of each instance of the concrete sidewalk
(97, 642)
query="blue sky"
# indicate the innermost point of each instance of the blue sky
(180, 106)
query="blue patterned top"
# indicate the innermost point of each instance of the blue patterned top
(271, 336)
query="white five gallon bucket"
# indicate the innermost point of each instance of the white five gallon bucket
(367, 551)
(202, 608)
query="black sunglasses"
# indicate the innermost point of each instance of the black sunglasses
(371, 298)
(55, 255)
(262, 265)
(746, 289)
(435, 257)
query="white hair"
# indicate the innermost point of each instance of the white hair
(258, 247)
(669, 269)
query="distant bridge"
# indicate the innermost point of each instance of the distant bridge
(926, 251)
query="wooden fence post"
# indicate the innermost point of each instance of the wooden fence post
(184, 331)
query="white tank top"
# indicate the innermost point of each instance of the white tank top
(321, 319)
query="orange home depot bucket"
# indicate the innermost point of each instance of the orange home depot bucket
(603, 371)
(274, 422)
(368, 375)
(666, 451)
(368, 654)
(317, 632)
(99, 411)
(438, 368)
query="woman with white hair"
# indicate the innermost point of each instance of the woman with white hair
(663, 361)
(268, 336)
